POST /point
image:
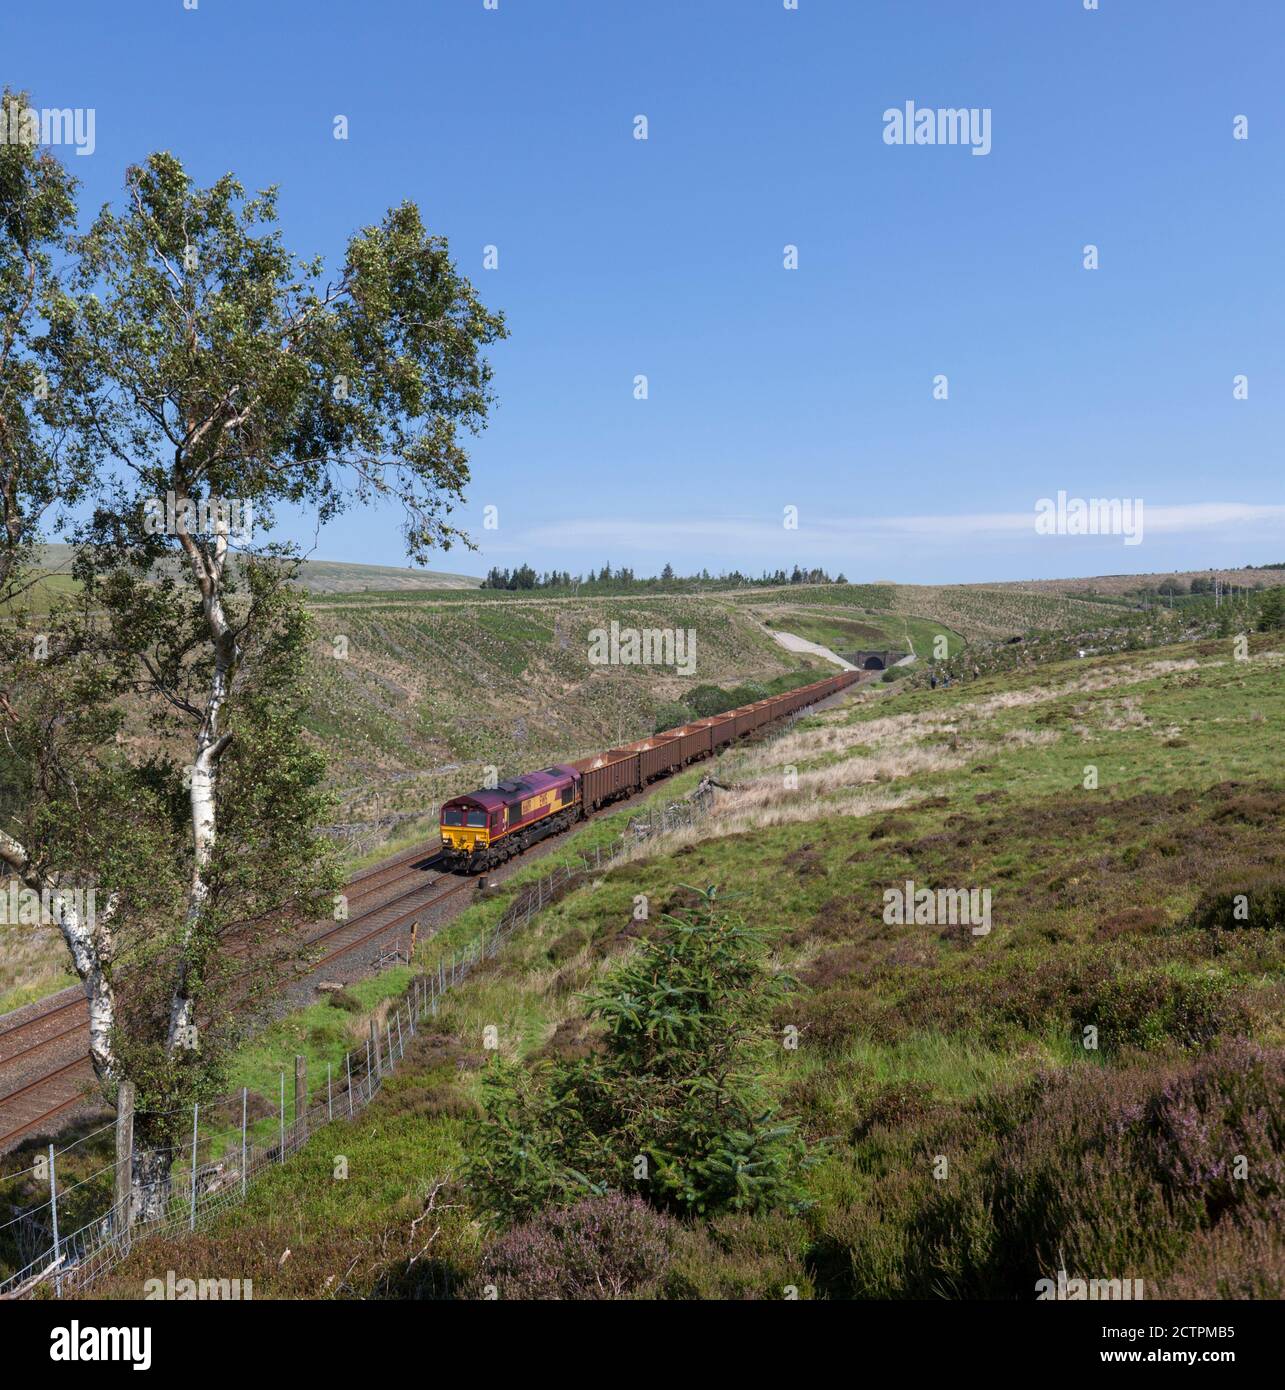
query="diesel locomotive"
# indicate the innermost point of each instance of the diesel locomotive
(484, 828)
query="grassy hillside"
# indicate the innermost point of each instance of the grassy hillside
(316, 576)
(1118, 585)
(427, 695)
(842, 634)
(341, 577)
(974, 612)
(965, 1141)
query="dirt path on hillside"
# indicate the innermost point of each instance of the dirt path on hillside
(791, 643)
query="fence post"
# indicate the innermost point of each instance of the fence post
(196, 1112)
(53, 1201)
(300, 1097)
(124, 1160)
(281, 1122)
(401, 1044)
(330, 1096)
(245, 1092)
(348, 1066)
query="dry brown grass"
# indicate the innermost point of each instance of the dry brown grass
(857, 755)
(1119, 716)
(1030, 738)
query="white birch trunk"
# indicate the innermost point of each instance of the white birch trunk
(89, 941)
(210, 743)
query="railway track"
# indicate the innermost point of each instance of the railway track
(44, 1063)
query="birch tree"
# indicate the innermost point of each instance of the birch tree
(224, 378)
(208, 376)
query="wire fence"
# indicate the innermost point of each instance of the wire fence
(186, 1191)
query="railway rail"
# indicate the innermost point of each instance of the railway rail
(44, 1063)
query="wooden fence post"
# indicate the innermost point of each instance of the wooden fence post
(301, 1096)
(124, 1161)
(53, 1204)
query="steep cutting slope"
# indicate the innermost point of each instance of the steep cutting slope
(423, 697)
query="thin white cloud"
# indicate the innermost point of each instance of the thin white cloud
(732, 533)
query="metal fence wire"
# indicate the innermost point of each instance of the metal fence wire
(194, 1193)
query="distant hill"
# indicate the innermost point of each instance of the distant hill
(336, 577)
(1114, 585)
(328, 576)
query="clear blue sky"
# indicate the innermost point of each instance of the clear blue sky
(768, 387)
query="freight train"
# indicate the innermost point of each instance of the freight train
(484, 828)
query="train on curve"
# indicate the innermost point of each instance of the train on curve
(484, 828)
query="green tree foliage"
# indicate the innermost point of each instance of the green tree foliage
(268, 874)
(708, 700)
(1271, 611)
(623, 580)
(45, 464)
(672, 1106)
(673, 716)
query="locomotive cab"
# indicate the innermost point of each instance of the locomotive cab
(467, 822)
(488, 826)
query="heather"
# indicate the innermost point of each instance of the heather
(605, 1247)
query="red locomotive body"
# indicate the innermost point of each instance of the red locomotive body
(486, 827)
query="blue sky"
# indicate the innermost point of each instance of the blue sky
(770, 388)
